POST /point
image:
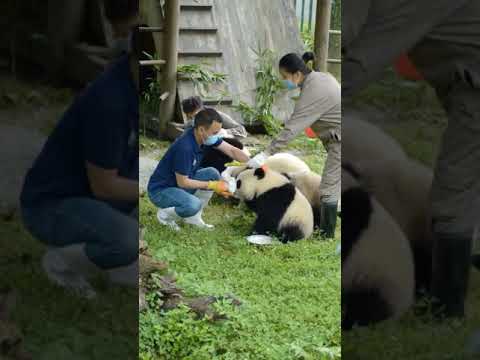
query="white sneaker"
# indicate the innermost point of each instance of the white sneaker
(125, 275)
(59, 272)
(167, 217)
(76, 259)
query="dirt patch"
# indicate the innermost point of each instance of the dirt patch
(11, 339)
(19, 148)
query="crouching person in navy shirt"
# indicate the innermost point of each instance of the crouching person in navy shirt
(80, 197)
(178, 186)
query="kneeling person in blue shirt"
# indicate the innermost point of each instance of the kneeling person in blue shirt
(178, 186)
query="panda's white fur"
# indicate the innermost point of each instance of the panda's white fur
(309, 183)
(279, 205)
(377, 262)
(403, 188)
(286, 163)
(282, 162)
(362, 140)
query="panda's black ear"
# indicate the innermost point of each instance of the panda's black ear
(259, 173)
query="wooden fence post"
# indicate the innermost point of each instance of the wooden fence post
(322, 27)
(169, 71)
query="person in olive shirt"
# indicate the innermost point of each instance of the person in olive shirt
(81, 194)
(319, 108)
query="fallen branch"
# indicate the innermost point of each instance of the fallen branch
(153, 279)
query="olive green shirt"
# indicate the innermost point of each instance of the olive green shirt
(319, 107)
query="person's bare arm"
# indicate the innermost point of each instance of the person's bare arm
(233, 152)
(186, 183)
(107, 185)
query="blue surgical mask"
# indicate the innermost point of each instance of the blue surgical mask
(212, 139)
(289, 84)
(123, 45)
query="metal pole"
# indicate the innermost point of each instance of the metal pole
(167, 107)
(310, 16)
(322, 27)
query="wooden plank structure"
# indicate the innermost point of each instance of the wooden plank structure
(70, 39)
(161, 21)
(225, 35)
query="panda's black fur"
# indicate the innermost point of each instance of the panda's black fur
(355, 217)
(271, 207)
(365, 305)
(217, 159)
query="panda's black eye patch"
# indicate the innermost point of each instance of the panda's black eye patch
(239, 184)
(259, 173)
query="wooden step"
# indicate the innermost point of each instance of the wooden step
(152, 62)
(203, 7)
(200, 53)
(151, 29)
(182, 30)
(204, 29)
(212, 102)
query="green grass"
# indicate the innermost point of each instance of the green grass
(290, 293)
(58, 325)
(416, 121)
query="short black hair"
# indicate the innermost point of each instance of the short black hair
(308, 56)
(292, 63)
(206, 117)
(138, 44)
(120, 10)
(192, 104)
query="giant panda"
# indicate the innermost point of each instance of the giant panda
(377, 262)
(280, 207)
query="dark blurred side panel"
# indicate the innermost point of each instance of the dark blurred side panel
(411, 179)
(69, 133)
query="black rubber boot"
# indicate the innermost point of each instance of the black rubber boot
(451, 272)
(328, 220)
(476, 261)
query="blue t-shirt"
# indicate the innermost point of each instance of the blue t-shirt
(101, 127)
(184, 157)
